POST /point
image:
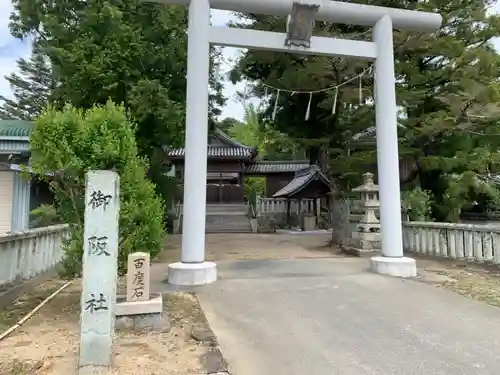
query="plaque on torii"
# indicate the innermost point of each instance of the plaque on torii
(300, 23)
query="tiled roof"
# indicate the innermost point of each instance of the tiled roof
(216, 152)
(228, 140)
(15, 128)
(276, 166)
(9, 146)
(293, 186)
(301, 180)
(229, 148)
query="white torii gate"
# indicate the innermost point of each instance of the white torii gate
(193, 269)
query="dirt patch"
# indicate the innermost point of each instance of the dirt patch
(33, 295)
(242, 246)
(48, 343)
(477, 281)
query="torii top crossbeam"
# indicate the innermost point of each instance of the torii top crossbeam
(331, 11)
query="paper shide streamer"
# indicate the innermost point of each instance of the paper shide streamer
(334, 108)
(276, 104)
(308, 110)
(336, 88)
(360, 91)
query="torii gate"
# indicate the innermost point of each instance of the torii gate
(193, 269)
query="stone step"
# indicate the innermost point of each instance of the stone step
(227, 223)
(226, 205)
(226, 219)
(228, 230)
(233, 207)
(226, 213)
(222, 227)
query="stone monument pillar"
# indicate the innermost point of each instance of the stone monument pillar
(100, 254)
(365, 240)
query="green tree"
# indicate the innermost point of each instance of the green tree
(272, 144)
(71, 142)
(130, 51)
(31, 88)
(44, 215)
(449, 89)
(296, 75)
(255, 131)
(447, 83)
(126, 51)
(227, 124)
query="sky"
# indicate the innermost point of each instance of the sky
(11, 49)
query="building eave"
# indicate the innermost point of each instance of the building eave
(275, 166)
(301, 180)
(10, 146)
(14, 138)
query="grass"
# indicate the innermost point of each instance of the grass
(479, 285)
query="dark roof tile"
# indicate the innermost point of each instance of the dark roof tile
(216, 152)
(276, 166)
(229, 148)
(15, 128)
(301, 180)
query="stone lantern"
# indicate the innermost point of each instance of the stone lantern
(365, 240)
(369, 203)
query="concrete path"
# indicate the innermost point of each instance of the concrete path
(330, 316)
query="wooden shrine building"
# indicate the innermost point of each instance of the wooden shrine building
(309, 183)
(228, 162)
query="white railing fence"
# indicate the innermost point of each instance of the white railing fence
(278, 205)
(24, 255)
(472, 242)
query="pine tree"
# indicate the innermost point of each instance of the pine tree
(130, 51)
(31, 88)
(324, 133)
(449, 89)
(447, 84)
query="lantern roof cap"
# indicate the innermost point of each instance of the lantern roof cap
(368, 185)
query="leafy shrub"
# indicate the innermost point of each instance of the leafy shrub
(254, 186)
(71, 142)
(43, 216)
(416, 204)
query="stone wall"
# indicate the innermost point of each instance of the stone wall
(24, 255)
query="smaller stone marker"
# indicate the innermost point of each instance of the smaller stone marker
(100, 254)
(138, 277)
(140, 309)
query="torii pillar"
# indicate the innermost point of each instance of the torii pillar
(193, 269)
